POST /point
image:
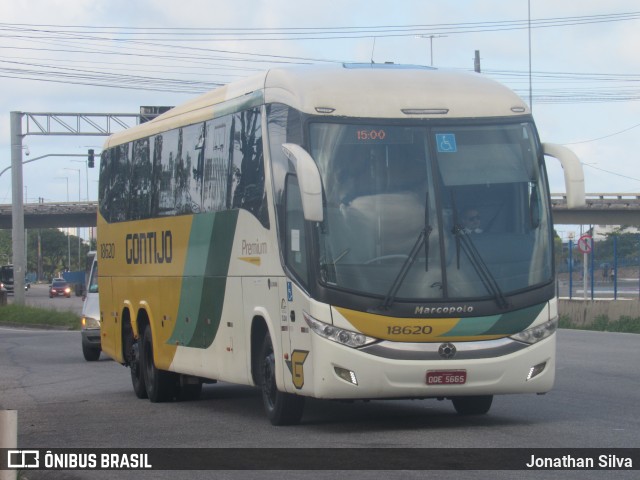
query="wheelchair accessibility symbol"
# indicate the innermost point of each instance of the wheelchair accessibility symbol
(446, 143)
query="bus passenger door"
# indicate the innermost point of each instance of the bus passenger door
(295, 347)
(295, 336)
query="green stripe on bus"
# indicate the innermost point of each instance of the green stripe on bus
(204, 279)
(506, 324)
(472, 326)
(516, 321)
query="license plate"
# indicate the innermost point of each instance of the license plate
(446, 377)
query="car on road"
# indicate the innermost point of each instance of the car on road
(90, 326)
(59, 286)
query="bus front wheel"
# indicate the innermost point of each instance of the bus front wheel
(474, 405)
(281, 408)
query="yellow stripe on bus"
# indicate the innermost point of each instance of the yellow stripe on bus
(406, 329)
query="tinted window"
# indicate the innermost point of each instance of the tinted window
(204, 167)
(115, 172)
(247, 165)
(141, 181)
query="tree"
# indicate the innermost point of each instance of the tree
(48, 249)
(627, 247)
(557, 249)
(5, 247)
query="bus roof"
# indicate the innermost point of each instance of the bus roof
(348, 90)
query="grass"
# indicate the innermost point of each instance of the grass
(38, 317)
(604, 324)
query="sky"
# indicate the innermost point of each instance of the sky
(98, 56)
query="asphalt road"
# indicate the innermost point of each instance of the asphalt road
(63, 401)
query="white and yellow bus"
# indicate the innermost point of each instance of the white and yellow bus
(305, 231)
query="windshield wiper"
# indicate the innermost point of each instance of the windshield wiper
(328, 269)
(479, 265)
(422, 239)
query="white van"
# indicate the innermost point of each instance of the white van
(90, 327)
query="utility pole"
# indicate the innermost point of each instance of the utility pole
(17, 214)
(529, 29)
(476, 62)
(68, 231)
(431, 37)
(79, 200)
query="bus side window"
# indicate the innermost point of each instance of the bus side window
(246, 186)
(296, 252)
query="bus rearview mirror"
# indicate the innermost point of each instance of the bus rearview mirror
(308, 179)
(573, 174)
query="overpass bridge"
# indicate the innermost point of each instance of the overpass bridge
(53, 215)
(600, 209)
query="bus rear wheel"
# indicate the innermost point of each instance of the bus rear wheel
(475, 405)
(159, 384)
(281, 408)
(137, 378)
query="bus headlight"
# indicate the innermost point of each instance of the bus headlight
(539, 332)
(338, 335)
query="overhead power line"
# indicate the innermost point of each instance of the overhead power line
(627, 177)
(313, 33)
(157, 58)
(605, 136)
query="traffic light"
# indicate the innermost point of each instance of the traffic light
(91, 160)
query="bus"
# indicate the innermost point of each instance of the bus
(6, 277)
(302, 231)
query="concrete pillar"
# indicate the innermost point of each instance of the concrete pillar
(8, 438)
(17, 209)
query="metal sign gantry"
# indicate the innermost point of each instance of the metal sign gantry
(75, 124)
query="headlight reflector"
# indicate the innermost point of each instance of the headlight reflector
(338, 335)
(346, 375)
(90, 322)
(539, 332)
(536, 370)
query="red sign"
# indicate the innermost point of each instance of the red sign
(585, 243)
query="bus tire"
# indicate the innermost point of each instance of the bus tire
(475, 405)
(188, 389)
(281, 408)
(137, 378)
(159, 384)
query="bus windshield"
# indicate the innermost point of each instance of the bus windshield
(6, 273)
(421, 212)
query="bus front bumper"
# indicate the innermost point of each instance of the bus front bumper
(340, 372)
